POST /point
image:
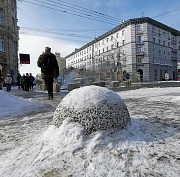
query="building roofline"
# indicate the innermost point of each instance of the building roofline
(123, 25)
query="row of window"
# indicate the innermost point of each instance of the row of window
(1, 17)
(162, 75)
(138, 29)
(104, 50)
(13, 22)
(162, 61)
(101, 61)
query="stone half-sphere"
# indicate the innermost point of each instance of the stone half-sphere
(94, 107)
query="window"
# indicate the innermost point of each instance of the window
(1, 17)
(138, 28)
(123, 42)
(139, 49)
(159, 34)
(1, 44)
(103, 42)
(164, 43)
(111, 38)
(139, 60)
(13, 4)
(112, 47)
(154, 40)
(117, 35)
(13, 25)
(14, 48)
(107, 40)
(139, 39)
(159, 41)
(107, 49)
(155, 74)
(123, 32)
(117, 44)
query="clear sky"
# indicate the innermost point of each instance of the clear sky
(65, 25)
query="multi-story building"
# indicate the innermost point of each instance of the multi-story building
(8, 37)
(61, 62)
(140, 45)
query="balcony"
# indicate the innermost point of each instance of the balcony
(174, 50)
(139, 42)
(173, 41)
(139, 32)
(139, 53)
(174, 58)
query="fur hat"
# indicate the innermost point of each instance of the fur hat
(48, 49)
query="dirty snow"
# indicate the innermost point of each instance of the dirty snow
(12, 106)
(149, 147)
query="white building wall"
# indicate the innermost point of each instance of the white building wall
(142, 46)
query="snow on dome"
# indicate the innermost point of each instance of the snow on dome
(96, 108)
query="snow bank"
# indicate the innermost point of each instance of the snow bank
(96, 108)
(13, 106)
(144, 148)
(68, 151)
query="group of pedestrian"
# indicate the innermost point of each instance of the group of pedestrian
(49, 70)
(26, 82)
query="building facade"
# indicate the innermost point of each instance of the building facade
(61, 62)
(140, 45)
(8, 37)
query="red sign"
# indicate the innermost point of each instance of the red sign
(24, 62)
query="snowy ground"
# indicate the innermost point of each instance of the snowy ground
(31, 146)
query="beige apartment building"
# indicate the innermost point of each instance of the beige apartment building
(141, 45)
(61, 62)
(8, 38)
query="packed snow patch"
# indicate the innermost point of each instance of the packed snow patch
(13, 106)
(96, 108)
(149, 146)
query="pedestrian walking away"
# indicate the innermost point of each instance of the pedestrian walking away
(18, 80)
(49, 69)
(22, 81)
(8, 81)
(31, 82)
(26, 82)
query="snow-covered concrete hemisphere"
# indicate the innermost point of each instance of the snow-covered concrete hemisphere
(96, 108)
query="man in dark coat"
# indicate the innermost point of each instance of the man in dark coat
(49, 78)
(26, 82)
(18, 80)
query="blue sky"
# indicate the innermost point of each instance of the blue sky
(63, 31)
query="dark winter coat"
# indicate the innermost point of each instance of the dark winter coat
(55, 74)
